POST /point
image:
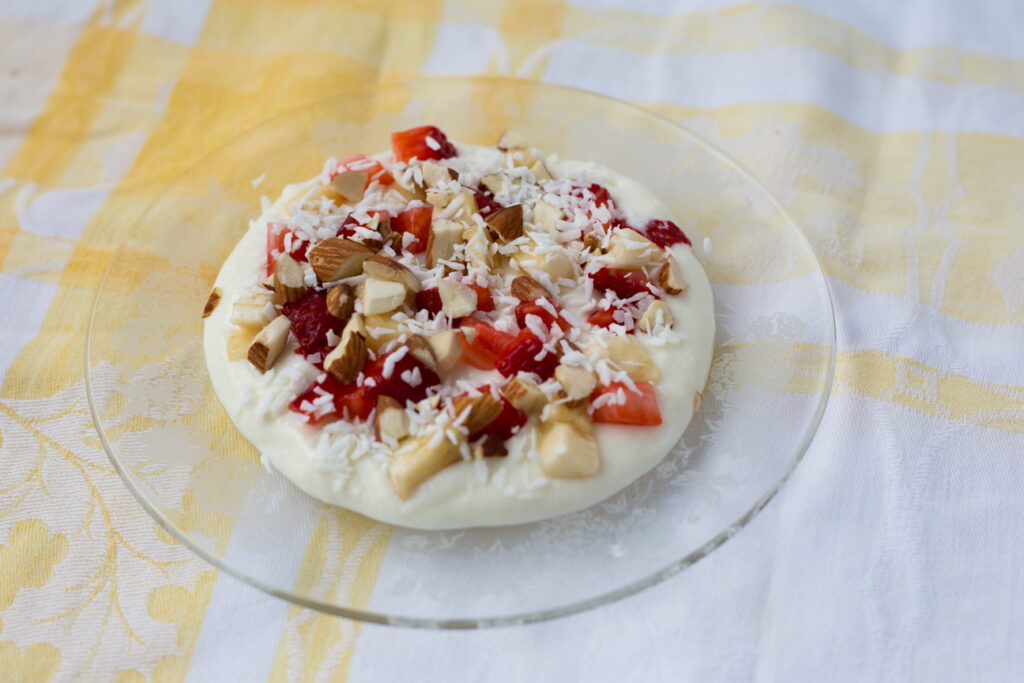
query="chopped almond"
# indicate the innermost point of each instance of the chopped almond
(524, 395)
(658, 314)
(336, 258)
(443, 236)
(390, 420)
(350, 185)
(269, 343)
(546, 215)
(421, 350)
(250, 309)
(480, 410)
(212, 302)
(384, 268)
(382, 296)
(435, 175)
(457, 300)
(697, 399)
(576, 382)
(341, 301)
(669, 277)
(346, 360)
(495, 182)
(592, 243)
(289, 278)
(446, 348)
(525, 288)
(507, 223)
(478, 246)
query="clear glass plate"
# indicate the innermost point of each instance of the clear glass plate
(171, 441)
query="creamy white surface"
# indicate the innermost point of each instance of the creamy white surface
(495, 491)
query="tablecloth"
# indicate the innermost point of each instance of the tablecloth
(892, 131)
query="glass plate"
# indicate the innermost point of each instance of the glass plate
(175, 448)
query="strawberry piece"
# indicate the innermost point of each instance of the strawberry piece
(533, 308)
(486, 203)
(349, 401)
(605, 317)
(526, 353)
(397, 384)
(310, 320)
(486, 347)
(503, 427)
(276, 241)
(484, 300)
(665, 233)
(429, 300)
(417, 222)
(374, 169)
(640, 407)
(348, 227)
(625, 283)
(407, 144)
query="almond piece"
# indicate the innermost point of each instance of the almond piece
(350, 185)
(669, 277)
(439, 199)
(289, 278)
(435, 175)
(341, 301)
(480, 410)
(336, 258)
(420, 349)
(269, 343)
(416, 460)
(546, 215)
(566, 453)
(441, 240)
(512, 139)
(489, 447)
(250, 309)
(507, 223)
(525, 288)
(212, 302)
(576, 381)
(697, 399)
(592, 243)
(382, 296)
(381, 329)
(495, 182)
(630, 249)
(524, 395)
(390, 420)
(540, 171)
(457, 300)
(446, 349)
(658, 314)
(384, 268)
(346, 360)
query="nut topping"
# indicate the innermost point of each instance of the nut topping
(525, 288)
(341, 301)
(382, 296)
(347, 359)
(577, 382)
(350, 185)
(336, 258)
(289, 279)
(446, 348)
(546, 215)
(658, 314)
(421, 350)
(419, 458)
(384, 268)
(669, 277)
(482, 410)
(443, 236)
(268, 344)
(524, 395)
(512, 139)
(212, 302)
(390, 420)
(507, 223)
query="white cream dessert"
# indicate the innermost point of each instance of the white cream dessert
(452, 336)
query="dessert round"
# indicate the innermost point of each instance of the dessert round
(450, 336)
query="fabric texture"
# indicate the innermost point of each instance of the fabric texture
(891, 131)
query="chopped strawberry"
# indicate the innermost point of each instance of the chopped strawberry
(484, 300)
(503, 427)
(640, 407)
(533, 308)
(417, 222)
(361, 162)
(526, 353)
(277, 241)
(625, 283)
(487, 344)
(408, 379)
(348, 227)
(606, 317)
(429, 300)
(486, 203)
(310, 321)
(348, 400)
(665, 233)
(423, 143)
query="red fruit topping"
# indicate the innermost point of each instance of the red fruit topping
(503, 427)
(639, 408)
(664, 233)
(348, 227)
(533, 308)
(484, 300)
(417, 222)
(424, 143)
(526, 353)
(605, 317)
(403, 383)
(625, 283)
(487, 345)
(277, 240)
(348, 400)
(485, 202)
(310, 321)
(361, 162)
(429, 300)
